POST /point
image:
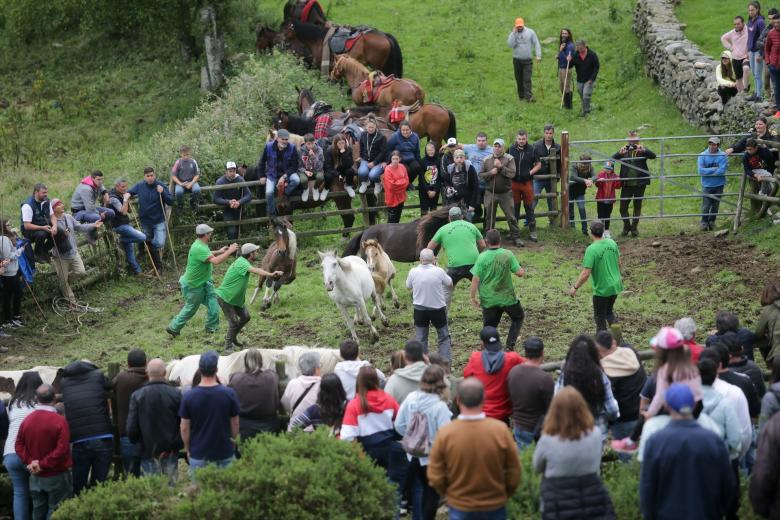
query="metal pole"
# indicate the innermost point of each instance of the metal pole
(661, 175)
(564, 178)
(740, 200)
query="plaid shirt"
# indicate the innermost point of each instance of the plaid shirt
(322, 125)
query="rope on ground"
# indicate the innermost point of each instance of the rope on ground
(68, 311)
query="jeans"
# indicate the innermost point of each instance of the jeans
(20, 479)
(523, 439)
(710, 205)
(228, 215)
(293, 180)
(157, 232)
(621, 430)
(202, 463)
(491, 316)
(425, 499)
(129, 236)
(179, 191)
(580, 200)
(423, 319)
(194, 297)
(543, 185)
(91, 462)
(11, 291)
(496, 514)
(774, 74)
(747, 462)
(48, 492)
(603, 311)
(131, 457)
(391, 457)
(585, 90)
(369, 174)
(523, 71)
(757, 68)
(168, 466)
(94, 216)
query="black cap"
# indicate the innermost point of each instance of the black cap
(533, 346)
(489, 336)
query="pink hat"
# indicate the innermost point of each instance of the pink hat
(668, 338)
(55, 202)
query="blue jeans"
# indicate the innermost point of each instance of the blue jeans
(369, 175)
(523, 438)
(496, 514)
(94, 216)
(91, 462)
(425, 499)
(580, 200)
(774, 74)
(392, 458)
(710, 205)
(131, 457)
(202, 463)
(757, 69)
(179, 191)
(293, 180)
(48, 492)
(20, 479)
(129, 236)
(621, 430)
(168, 466)
(543, 185)
(156, 232)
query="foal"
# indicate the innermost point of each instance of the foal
(382, 271)
(280, 256)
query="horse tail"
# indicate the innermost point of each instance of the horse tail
(452, 129)
(396, 59)
(353, 246)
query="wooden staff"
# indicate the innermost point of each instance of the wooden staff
(168, 232)
(146, 243)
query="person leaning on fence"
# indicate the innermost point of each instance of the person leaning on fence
(462, 241)
(634, 179)
(36, 222)
(586, 64)
(580, 179)
(395, 180)
(607, 184)
(548, 152)
(461, 186)
(233, 199)
(430, 286)
(498, 171)
(197, 287)
(153, 196)
(278, 164)
(312, 169)
(725, 78)
(531, 390)
(185, 175)
(526, 165)
(759, 166)
(712, 165)
(119, 200)
(67, 259)
(373, 154)
(84, 202)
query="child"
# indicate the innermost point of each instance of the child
(579, 181)
(608, 182)
(185, 175)
(395, 180)
(430, 184)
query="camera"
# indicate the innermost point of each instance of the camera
(632, 147)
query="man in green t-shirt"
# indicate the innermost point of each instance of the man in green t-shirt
(492, 276)
(232, 292)
(196, 285)
(462, 241)
(602, 265)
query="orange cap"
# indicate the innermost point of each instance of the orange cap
(519, 22)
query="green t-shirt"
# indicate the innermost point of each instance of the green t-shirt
(459, 238)
(233, 287)
(198, 269)
(495, 268)
(601, 257)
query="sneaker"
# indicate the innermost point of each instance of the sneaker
(316, 195)
(624, 445)
(305, 195)
(363, 187)
(350, 191)
(16, 323)
(704, 226)
(377, 188)
(324, 194)
(518, 242)
(607, 234)
(172, 332)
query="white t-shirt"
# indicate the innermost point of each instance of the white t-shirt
(430, 285)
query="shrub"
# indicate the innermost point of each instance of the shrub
(134, 498)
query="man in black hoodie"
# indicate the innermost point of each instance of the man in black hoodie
(634, 179)
(84, 393)
(526, 164)
(460, 185)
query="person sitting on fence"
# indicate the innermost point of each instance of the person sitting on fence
(84, 206)
(312, 160)
(278, 169)
(579, 181)
(634, 179)
(462, 241)
(460, 185)
(153, 196)
(373, 153)
(726, 78)
(498, 171)
(407, 143)
(185, 175)
(119, 199)
(340, 165)
(527, 164)
(36, 222)
(759, 165)
(549, 154)
(712, 165)
(67, 259)
(233, 199)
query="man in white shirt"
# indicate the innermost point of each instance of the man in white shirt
(430, 287)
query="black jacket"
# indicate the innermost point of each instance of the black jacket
(430, 180)
(125, 383)
(525, 159)
(373, 147)
(765, 481)
(634, 165)
(84, 394)
(587, 69)
(749, 368)
(574, 498)
(626, 388)
(153, 419)
(541, 152)
(344, 166)
(460, 186)
(746, 385)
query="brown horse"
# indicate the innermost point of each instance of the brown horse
(308, 11)
(373, 48)
(280, 256)
(431, 120)
(358, 78)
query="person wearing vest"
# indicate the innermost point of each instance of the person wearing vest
(153, 196)
(119, 200)
(232, 199)
(278, 165)
(36, 222)
(498, 172)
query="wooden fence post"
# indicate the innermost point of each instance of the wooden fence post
(564, 179)
(740, 200)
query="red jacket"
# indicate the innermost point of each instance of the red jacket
(605, 191)
(44, 436)
(395, 180)
(772, 48)
(497, 402)
(695, 349)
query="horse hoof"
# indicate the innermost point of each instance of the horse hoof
(397, 304)
(265, 306)
(386, 322)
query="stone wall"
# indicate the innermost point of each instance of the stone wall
(685, 74)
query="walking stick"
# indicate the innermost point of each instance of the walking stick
(565, 84)
(240, 213)
(146, 244)
(35, 299)
(168, 232)
(541, 82)
(493, 203)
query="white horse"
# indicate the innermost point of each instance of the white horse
(382, 271)
(349, 284)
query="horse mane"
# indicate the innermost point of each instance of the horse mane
(292, 243)
(351, 65)
(429, 224)
(308, 31)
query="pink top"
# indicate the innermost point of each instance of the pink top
(691, 379)
(736, 42)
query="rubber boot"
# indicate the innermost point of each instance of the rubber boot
(155, 258)
(567, 100)
(532, 232)
(635, 228)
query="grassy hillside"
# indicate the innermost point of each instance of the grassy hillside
(707, 21)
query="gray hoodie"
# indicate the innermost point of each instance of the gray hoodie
(405, 380)
(84, 198)
(523, 44)
(725, 417)
(348, 371)
(8, 251)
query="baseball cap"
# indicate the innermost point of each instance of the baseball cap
(459, 153)
(519, 22)
(489, 336)
(668, 338)
(452, 141)
(714, 139)
(282, 134)
(609, 165)
(229, 165)
(680, 399)
(455, 211)
(533, 346)
(203, 229)
(248, 248)
(208, 362)
(498, 141)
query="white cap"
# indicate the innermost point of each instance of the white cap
(248, 248)
(452, 141)
(229, 165)
(203, 229)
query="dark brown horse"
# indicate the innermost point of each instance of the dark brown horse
(280, 256)
(403, 242)
(307, 11)
(374, 48)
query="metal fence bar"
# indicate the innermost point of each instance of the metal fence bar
(676, 137)
(662, 179)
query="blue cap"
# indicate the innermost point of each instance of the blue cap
(679, 398)
(208, 362)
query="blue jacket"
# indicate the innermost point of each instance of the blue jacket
(223, 197)
(686, 473)
(567, 51)
(409, 148)
(150, 211)
(712, 168)
(274, 162)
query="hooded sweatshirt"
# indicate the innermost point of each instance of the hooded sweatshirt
(405, 380)
(435, 410)
(712, 168)
(497, 405)
(768, 331)
(627, 377)
(348, 371)
(373, 427)
(85, 196)
(725, 417)
(725, 80)
(8, 251)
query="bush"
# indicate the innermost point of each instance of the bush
(302, 476)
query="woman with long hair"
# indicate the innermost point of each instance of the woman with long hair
(565, 53)
(258, 396)
(431, 401)
(767, 329)
(726, 78)
(755, 26)
(430, 180)
(21, 405)
(11, 280)
(568, 455)
(339, 164)
(327, 411)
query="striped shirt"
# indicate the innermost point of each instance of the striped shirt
(16, 415)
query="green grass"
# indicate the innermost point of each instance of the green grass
(707, 21)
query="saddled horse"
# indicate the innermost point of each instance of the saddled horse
(366, 92)
(266, 38)
(307, 11)
(431, 120)
(280, 256)
(373, 47)
(402, 242)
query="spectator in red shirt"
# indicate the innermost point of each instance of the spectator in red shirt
(491, 365)
(395, 181)
(772, 58)
(43, 445)
(687, 328)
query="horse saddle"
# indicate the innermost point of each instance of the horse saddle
(345, 37)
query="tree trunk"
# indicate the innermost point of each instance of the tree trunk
(211, 77)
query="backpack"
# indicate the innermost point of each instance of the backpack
(416, 441)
